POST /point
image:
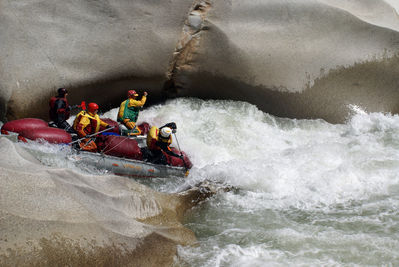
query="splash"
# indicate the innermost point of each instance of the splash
(307, 190)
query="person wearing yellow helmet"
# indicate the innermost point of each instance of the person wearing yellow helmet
(129, 111)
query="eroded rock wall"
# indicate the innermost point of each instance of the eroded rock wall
(272, 53)
(98, 49)
(284, 56)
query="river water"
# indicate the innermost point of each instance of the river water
(305, 192)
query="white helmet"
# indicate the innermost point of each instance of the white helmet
(165, 132)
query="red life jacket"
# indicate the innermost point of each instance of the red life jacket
(53, 111)
(91, 128)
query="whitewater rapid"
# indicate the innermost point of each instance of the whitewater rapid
(305, 192)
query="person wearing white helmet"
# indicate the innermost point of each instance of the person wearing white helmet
(158, 140)
(165, 132)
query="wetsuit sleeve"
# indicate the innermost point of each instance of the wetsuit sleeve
(166, 149)
(171, 125)
(103, 124)
(59, 106)
(137, 103)
(121, 110)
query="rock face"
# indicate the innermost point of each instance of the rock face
(98, 49)
(303, 59)
(52, 217)
(292, 58)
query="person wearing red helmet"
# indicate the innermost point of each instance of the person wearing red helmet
(87, 123)
(129, 111)
(60, 111)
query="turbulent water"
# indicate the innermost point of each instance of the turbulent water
(306, 192)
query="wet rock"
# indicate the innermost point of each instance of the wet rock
(52, 216)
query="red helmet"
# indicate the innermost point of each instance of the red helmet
(132, 93)
(92, 107)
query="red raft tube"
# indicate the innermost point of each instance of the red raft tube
(112, 145)
(17, 126)
(123, 147)
(36, 130)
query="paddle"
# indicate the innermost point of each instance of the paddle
(91, 135)
(82, 106)
(181, 154)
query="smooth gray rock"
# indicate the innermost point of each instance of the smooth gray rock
(275, 54)
(98, 49)
(51, 215)
(281, 55)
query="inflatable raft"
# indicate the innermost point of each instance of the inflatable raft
(120, 155)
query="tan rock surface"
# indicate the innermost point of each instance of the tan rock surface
(271, 53)
(275, 53)
(95, 48)
(51, 216)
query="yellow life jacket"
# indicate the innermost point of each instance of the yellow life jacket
(84, 114)
(153, 137)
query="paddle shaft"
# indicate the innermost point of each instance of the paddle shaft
(91, 135)
(181, 154)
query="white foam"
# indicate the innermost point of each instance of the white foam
(305, 163)
(307, 190)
